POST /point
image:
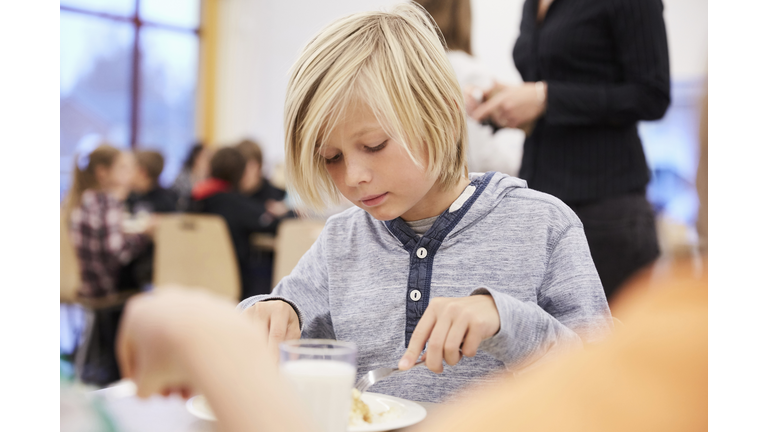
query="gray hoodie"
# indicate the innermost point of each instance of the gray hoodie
(368, 282)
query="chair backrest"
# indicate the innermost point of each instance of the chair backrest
(195, 250)
(294, 238)
(69, 268)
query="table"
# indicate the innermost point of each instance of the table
(159, 414)
(263, 241)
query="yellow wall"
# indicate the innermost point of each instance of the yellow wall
(206, 94)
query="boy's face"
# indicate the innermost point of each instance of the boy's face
(374, 172)
(251, 177)
(141, 181)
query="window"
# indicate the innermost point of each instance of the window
(672, 150)
(129, 72)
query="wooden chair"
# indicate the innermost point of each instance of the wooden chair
(195, 250)
(69, 269)
(294, 238)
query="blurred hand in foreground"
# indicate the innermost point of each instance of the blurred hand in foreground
(160, 330)
(189, 341)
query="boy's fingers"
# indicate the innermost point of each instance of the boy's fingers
(453, 342)
(418, 339)
(471, 342)
(293, 332)
(436, 344)
(278, 325)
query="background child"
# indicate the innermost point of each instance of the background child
(272, 199)
(477, 265)
(258, 187)
(146, 194)
(220, 194)
(107, 255)
(196, 168)
(100, 184)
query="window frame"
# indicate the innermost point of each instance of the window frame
(138, 24)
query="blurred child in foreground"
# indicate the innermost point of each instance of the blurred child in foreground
(146, 194)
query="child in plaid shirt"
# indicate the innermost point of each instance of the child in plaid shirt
(95, 208)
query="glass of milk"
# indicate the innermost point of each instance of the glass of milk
(322, 372)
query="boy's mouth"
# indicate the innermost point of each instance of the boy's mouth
(373, 200)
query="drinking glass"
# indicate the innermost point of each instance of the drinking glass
(322, 372)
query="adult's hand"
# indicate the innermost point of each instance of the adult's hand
(453, 327)
(512, 106)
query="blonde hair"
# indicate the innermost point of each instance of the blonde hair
(396, 63)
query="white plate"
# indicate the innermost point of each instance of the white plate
(199, 407)
(395, 412)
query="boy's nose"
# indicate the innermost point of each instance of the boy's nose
(356, 173)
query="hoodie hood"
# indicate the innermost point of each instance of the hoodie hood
(484, 193)
(498, 186)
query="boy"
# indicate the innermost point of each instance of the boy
(491, 274)
(146, 191)
(220, 194)
(256, 186)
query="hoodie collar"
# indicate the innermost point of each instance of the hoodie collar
(489, 189)
(210, 187)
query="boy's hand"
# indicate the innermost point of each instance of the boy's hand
(275, 319)
(453, 326)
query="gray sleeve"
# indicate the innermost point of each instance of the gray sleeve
(571, 308)
(306, 290)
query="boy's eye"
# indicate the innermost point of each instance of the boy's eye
(333, 159)
(377, 148)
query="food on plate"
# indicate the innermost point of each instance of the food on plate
(360, 412)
